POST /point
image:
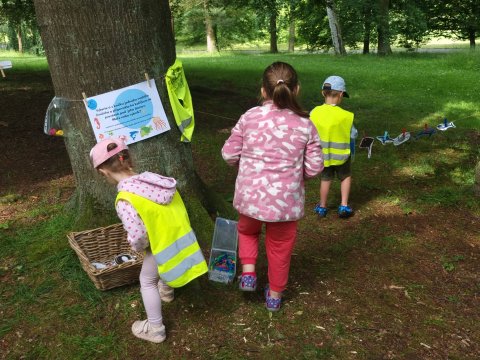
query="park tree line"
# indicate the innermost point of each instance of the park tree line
(324, 24)
(310, 24)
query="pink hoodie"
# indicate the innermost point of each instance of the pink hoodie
(275, 150)
(154, 187)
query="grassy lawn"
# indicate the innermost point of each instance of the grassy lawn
(399, 280)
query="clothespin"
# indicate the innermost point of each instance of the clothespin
(84, 98)
(148, 79)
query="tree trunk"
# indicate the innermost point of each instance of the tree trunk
(19, 38)
(367, 27)
(383, 28)
(273, 33)
(291, 34)
(471, 38)
(335, 29)
(211, 38)
(98, 46)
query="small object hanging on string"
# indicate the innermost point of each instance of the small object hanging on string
(55, 116)
(353, 137)
(367, 143)
(403, 137)
(445, 125)
(427, 131)
(385, 138)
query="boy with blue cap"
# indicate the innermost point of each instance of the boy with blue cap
(335, 127)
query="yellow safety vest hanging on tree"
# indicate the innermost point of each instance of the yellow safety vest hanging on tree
(172, 240)
(180, 100)
(333, 125)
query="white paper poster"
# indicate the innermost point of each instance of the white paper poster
(134, 113)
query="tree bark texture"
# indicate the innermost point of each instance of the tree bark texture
(273, 33)
(99, 46)
(383, 28)
(335, 29)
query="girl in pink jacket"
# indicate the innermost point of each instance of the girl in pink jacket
(276, 147)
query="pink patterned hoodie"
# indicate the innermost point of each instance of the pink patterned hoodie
(275, 150)
(154, 187)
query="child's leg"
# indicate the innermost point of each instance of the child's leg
(279, 241)
(248, 232)
(345, 189)
(324, 189)
(149, 288)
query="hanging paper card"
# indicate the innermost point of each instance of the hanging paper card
(134, 113)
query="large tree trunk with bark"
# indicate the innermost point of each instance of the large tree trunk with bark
(99, 46)
(335, 29)
(383, 28)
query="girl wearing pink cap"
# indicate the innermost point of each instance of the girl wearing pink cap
(275, 147)
(156, 222)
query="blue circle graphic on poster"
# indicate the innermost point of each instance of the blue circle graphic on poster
(92, 104)
(133, 108)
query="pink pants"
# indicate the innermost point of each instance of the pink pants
(149, 279)
(279, 241)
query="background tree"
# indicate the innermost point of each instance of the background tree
(95, 46)
(454, 18)
(335, 29)
(20, 16)
(228, 24)
(383, 27)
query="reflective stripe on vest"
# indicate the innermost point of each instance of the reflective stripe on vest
(172, 240)
(333, 125)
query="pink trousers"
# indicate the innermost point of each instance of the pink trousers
(149, 282)
(279, 241)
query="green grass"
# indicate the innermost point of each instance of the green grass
(414, 231)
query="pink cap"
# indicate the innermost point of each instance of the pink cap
(99, 153)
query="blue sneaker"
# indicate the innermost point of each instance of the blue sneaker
(345, 211)
(271, 304)
(321, 211)
(247, 282)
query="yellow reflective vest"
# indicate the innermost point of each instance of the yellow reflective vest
(172, 240)
(180, 100)
(333, 125)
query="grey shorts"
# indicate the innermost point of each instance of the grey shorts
(343, 171)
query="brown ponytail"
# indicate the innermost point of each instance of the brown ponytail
(280, 83)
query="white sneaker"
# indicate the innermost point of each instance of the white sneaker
(166, 292)
(146, 331)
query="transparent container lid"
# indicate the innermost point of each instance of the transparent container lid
(225, 235)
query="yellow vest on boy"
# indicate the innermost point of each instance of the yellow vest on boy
(172, 240)
(333, 125)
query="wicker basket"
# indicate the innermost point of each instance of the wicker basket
(102, 245)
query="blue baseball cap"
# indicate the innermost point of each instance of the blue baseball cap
(335, 83)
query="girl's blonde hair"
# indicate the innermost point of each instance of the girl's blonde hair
(280, 83)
